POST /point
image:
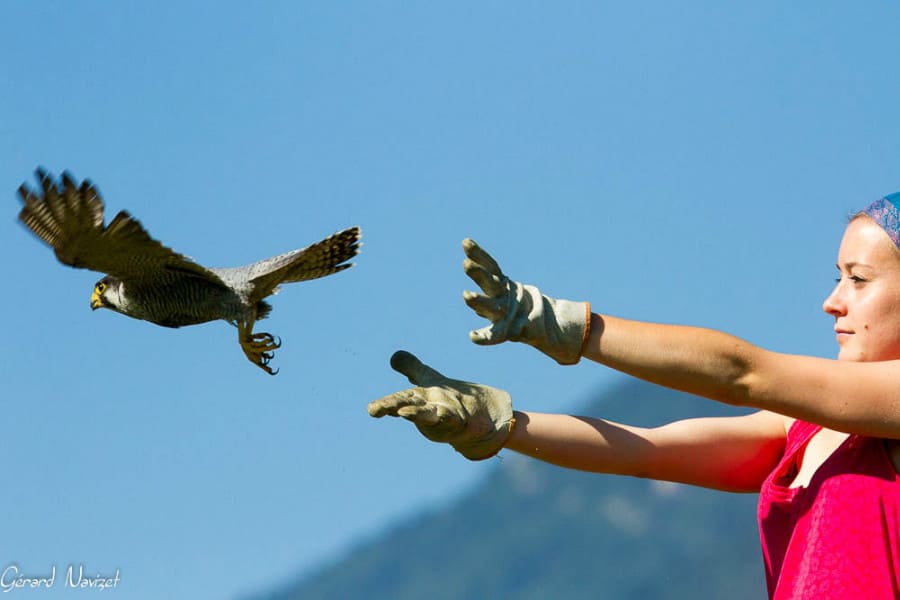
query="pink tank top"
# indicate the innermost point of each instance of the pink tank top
(838, 537)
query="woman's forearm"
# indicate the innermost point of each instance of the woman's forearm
(699, 361)
(581, 443)
(726, 453)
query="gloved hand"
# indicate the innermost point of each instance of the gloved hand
(474, 419)
(558, 328)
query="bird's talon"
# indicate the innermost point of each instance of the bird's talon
(259, 349)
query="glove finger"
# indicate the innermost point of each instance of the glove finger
(423, 416)
(480, 256)
(415, 370)
(486, 336)
(393, 403)
(488, 307)
(439, 423)
(493, 283)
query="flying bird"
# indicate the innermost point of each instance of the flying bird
(146, 280)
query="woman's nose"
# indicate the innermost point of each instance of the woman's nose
(834, 304)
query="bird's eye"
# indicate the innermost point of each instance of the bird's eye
(101, 287)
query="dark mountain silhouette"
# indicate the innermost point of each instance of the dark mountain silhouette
(532, 530)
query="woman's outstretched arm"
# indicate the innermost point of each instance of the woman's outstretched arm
(855, 397)
(726, 453)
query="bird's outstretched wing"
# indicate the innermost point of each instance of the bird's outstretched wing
(317, 260)
(69, 218)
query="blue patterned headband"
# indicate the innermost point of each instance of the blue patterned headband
(886, 212)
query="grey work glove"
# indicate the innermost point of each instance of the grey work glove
(521, 313)
(474, 419)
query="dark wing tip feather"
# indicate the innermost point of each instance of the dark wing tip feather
(43, 176)
(68, 181)
(24, 193)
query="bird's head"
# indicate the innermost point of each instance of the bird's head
(108, 293)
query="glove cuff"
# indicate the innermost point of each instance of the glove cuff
(558, 328)
(574, 319)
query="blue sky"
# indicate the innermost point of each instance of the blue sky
(690, 163)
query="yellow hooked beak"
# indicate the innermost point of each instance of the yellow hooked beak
(96, 300)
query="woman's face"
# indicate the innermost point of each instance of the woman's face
(865, 303)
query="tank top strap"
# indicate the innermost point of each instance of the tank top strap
(798, 436)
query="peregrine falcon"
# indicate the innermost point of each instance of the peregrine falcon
(149, 281)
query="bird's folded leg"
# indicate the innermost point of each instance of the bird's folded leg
(258, 347)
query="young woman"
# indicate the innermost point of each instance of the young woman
(822, 450)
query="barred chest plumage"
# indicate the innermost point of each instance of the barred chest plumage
(188, 303)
